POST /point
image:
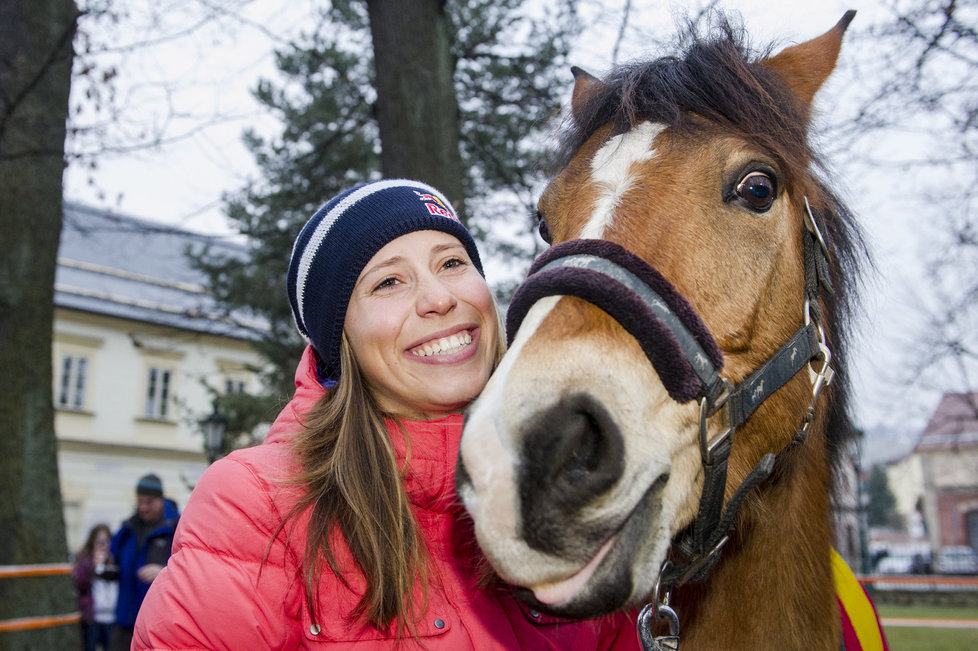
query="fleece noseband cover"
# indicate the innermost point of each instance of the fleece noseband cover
(670, 333)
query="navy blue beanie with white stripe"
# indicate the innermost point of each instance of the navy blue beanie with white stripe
(337, 243)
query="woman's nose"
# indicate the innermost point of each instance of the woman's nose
(434, 297)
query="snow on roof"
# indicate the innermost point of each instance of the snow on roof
(137, 269)
(954, 424)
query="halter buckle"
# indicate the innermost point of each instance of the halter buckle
(707, 559)
(707, 409)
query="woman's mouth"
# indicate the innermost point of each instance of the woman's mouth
(447, 348)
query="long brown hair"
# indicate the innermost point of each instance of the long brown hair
(350, 474)
(351, 478)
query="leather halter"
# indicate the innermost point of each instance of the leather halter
(689, 363)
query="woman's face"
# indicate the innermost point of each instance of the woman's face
(422, 325)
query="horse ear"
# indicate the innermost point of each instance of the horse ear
(585, 85)
(806, 66)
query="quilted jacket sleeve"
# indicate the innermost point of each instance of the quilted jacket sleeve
(217, 592)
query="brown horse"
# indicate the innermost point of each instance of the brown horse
(581, 463)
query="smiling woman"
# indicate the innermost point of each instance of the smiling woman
(344, 527)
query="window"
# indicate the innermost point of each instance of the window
(233, 385)
(70, 392)
(158, 393)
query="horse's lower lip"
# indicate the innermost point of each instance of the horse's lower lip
(564, 597)
(560, 592)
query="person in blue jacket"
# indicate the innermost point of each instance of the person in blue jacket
(141, 548)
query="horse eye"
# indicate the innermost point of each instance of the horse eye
(542, 228)
(758, 190)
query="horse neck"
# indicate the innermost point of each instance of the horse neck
(773, 587)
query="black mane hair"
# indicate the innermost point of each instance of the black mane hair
(717, 83)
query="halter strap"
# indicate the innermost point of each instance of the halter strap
(637, 296)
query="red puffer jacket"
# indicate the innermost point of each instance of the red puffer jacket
(216, 592)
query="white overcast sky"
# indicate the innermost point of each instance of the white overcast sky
(184, 83)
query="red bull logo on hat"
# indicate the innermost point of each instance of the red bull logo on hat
(438, 207)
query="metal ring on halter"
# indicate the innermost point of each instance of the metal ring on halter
(707, 445)
(812, 226)
(822, 377)
(809, 319)
(665, 567)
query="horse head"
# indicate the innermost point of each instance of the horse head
(580, 463)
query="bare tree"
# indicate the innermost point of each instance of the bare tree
(919, 88)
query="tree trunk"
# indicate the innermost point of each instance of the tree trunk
(35, 75)
(416, 105)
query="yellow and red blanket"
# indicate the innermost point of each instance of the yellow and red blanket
(861, 628)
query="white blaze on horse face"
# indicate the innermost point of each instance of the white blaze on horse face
(611, 170)
(490, 454)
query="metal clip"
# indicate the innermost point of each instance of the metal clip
(707, 409)
(655, 611)
(648, 617)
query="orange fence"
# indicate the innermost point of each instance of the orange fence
(32, 623)
(49, 569)
(44, 621)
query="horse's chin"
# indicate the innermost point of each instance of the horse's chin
(620, 574)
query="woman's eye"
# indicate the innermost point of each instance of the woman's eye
(386, 283)
(757, 190)
(542, 228)
(453, 263)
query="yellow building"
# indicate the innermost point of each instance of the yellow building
(138, 343)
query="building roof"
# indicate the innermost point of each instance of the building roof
(121, 266)
(954, 424)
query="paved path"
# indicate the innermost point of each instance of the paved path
(930, 622)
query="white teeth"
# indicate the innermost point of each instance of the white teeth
(445, 345)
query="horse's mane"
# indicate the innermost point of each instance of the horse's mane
(718, 78)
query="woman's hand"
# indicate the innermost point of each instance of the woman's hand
(149, 572)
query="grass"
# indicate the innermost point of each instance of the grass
(930, 639)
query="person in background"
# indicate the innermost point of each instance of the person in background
(141, 547)
(95, 576)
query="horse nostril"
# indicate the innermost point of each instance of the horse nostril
(572, 453)
(586, 442)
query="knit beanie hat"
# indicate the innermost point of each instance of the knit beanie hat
(150, 485)
(337, 243)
